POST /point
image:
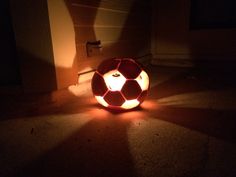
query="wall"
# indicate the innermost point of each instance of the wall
(51, 37)
(45, 41)
(173, 43)
(63, 43)
(122, 26)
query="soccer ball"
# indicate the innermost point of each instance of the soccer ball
(120, 83)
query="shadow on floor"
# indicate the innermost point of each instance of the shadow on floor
(99, 148)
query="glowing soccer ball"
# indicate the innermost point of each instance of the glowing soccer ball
(120, 84)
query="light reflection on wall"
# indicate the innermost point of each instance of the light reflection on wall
(62, 32)
(63, 42)
(104, 20)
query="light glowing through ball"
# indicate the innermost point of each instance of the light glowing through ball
(120, 83)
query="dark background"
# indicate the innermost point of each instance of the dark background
(213, 14)
(9, 66)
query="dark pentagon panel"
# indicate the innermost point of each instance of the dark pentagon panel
(114, 98)
(142, 96)
(99, 87)
(131, 89)
(129, 68)
(108, 65)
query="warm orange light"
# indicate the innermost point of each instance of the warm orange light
(114, 80)
(120, 84)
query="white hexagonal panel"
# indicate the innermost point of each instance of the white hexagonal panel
(114, 80)
(143, 80)
(128, 104)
